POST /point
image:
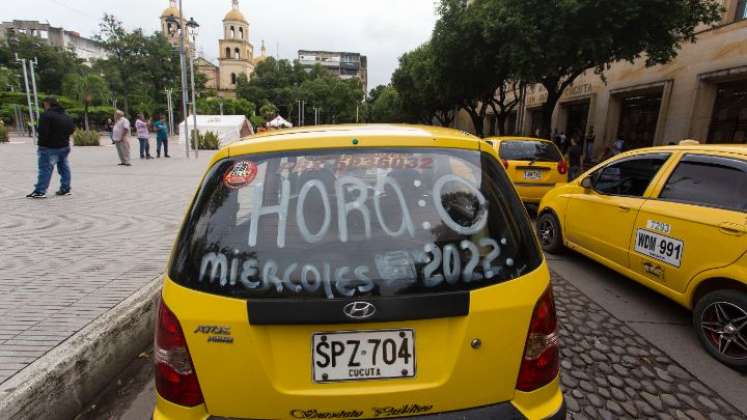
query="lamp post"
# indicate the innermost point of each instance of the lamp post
(194, 28)
(176, 25)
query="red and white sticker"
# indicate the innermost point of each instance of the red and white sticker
(241, 174)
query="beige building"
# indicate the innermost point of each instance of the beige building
(702, 94)
(236, 52)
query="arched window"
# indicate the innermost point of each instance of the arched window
(168, 30)
(237, 54)
(228, 52)
(233, 32)
(241, 32)
(233, 78)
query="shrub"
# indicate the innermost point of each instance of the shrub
(3, 133)
(86, 138)
(208, 141)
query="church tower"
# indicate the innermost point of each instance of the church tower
(171, 29)
(236, 52)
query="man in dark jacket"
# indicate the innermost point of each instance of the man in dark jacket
(55, 128)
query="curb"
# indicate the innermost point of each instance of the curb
(60, 383)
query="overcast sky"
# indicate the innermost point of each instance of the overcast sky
(381, 29)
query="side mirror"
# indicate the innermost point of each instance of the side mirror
(586, 183)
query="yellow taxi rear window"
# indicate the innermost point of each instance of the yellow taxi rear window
(362, 222)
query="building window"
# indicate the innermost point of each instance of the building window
(228, 52)
(233, 78)
(741, 10)
(237, 53)
(233, 32)
(729, 118)
(241, 33)
(638, 119)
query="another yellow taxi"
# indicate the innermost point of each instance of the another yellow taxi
(672, 218)
(535, 166)
(357, 272)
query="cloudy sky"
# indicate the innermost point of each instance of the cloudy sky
(380, 29)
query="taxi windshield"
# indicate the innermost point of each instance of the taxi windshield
(538, 151)
(344, 223)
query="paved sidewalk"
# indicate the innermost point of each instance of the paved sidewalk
(64, 261)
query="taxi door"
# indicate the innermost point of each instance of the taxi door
(698, 221)
(600, 218)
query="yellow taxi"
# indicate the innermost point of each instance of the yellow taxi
(672, 218)
(534, 166)
(357, 272)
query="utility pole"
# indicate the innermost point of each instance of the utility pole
(220, 104)
(32, 63)
(193, 26)
(357, 108)
(303, 113)
(298, 122)
(170, 107)
(183, 65)
(28, 98)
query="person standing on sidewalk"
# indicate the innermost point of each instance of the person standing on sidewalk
(55, 129)
(121, 138)
(141, 126)
(162, 137)
(575, 151)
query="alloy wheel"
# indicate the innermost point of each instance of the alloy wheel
(725, 326)
(547, 231)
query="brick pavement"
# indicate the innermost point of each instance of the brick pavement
(66, 260)
(610, 372)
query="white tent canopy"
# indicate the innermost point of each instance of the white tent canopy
(280, 122)
(228, 128)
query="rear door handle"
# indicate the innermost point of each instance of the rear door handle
(624, 208)
(733, 228)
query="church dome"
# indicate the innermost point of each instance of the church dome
(172, 10)
(235, 14)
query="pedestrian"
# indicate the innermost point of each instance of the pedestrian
(141, 126)
(618, 146)
(575, 151)
(555, 137)
(109, 128)
(563, 142)
(121, 138)
(55, 129)
(590, 138)
(162, 136)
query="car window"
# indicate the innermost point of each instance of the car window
(354, 223)
(628, 177)
(709, 181)
(539, 151)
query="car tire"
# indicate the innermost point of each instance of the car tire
(720, 321)
(549, 233)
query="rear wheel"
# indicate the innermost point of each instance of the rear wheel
(548, 230)
(720, 320)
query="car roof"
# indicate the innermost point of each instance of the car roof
(351, 135)
(740, 149)
(516, 138)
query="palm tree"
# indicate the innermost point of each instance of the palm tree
(87, 89)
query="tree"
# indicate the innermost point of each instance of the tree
(8, 79)
(557, 41)
(473, 64)
(423, 94)
(385, 105)
(274, 81)
(87, 88)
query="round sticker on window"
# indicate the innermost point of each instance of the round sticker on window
(241, 174)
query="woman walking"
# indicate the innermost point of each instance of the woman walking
(141, 126)
(162, 136)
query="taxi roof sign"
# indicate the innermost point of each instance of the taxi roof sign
(689, 142)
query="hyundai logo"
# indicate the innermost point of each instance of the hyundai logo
(359, 310)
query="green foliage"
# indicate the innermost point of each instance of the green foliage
(87, 89)
(384, 105)
(53, 62)
(211, 106)
(85, 138)
(8, 79)
(207, 140)
(3, 133)
(268, 111)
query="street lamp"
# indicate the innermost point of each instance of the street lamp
(194, 29)
(176, 25)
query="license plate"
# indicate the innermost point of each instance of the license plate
(532, 175)
(363, 355)
(660, 247)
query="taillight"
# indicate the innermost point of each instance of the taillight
(541, 361)
(176, 379)
(562, 167)
(505, 163)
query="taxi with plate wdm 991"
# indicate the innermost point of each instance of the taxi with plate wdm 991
(357, 272)
(673, 218)
(534, 166)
